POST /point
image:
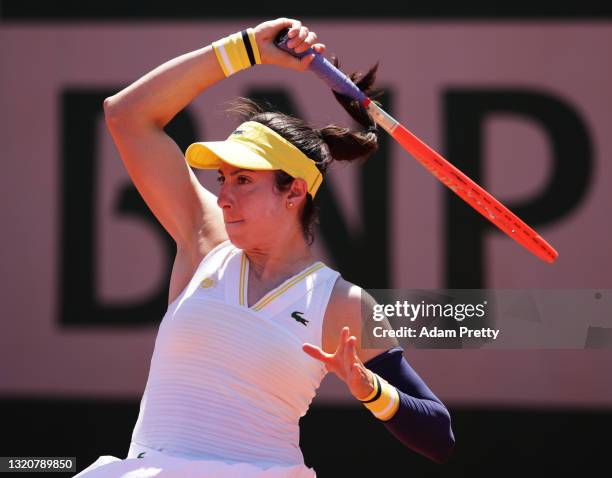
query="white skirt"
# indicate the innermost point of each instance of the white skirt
(155, 464)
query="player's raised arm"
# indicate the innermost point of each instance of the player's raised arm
(137, 115)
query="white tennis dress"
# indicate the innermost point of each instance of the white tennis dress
(228, 383)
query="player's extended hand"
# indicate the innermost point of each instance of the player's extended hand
(301, 39)
(346, 364)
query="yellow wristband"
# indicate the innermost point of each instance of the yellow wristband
(237, 51)
(383, 402)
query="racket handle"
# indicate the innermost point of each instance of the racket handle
(321, 67)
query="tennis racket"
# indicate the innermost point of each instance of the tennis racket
(449, 175)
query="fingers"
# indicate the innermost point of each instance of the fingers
(342, 342)
(302, 39)
(292, 23)
(310, 39)
(297, 36)
(319, 47)
(300, 35)
(316, 352)
(349, 353)
(345, 356)
(346, 346)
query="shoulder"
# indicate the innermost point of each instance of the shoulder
(187, 262)
(345, 294)
(351, 306)
(348, 299)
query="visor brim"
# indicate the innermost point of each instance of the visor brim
(210, 154)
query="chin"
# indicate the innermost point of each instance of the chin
(245, 237)
(236, 238)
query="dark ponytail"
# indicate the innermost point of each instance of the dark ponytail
(347, 145)
(322, 145)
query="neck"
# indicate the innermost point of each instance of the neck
(278, 260)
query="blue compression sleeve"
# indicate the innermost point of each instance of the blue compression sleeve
(422, 422)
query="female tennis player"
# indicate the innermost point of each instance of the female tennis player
(254, 322)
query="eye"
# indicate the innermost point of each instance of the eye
(220, 179)
(243, 180)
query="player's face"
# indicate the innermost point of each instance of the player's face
(254, 211)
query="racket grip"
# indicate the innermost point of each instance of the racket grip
(324, 69)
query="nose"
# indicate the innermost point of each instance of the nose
(225, 200)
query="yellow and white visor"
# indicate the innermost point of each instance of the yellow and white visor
(255, 146)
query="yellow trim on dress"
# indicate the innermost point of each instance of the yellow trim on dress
(265, 300)
(241, 300)
(270, 296)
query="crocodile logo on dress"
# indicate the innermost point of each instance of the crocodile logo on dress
(141, 454)
(296, 315)
(207, 282)
(238, 131)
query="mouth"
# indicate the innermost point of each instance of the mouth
(232, 222)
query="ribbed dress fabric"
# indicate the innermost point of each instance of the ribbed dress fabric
(228, 383)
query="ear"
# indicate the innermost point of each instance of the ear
(298, 191)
